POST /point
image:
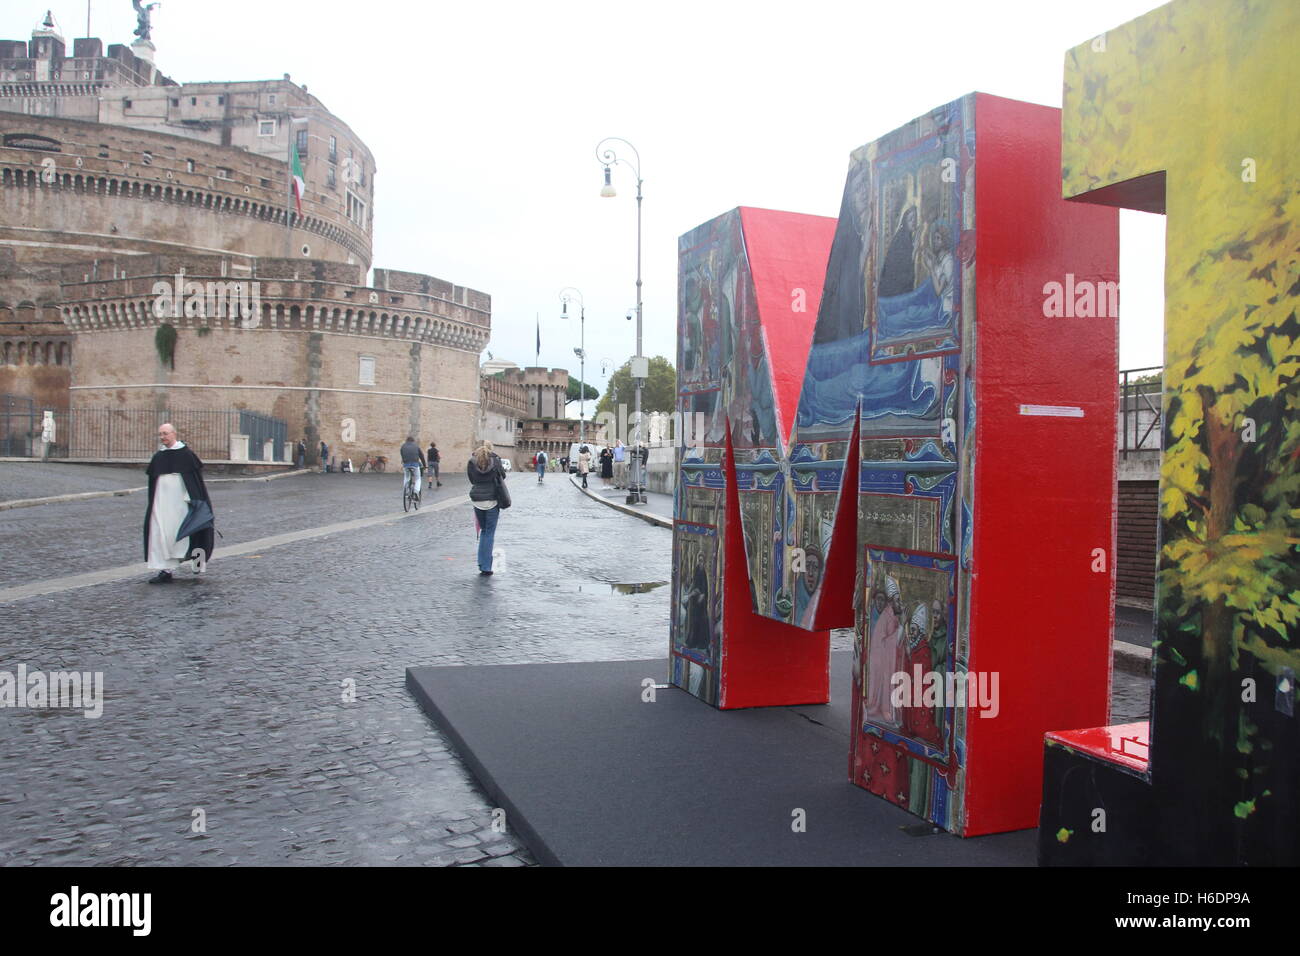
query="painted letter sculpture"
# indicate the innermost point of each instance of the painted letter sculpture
(937, 481)
(1190, 110)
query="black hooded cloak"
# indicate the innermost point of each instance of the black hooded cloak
(184, 462)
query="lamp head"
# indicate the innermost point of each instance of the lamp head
(608, 189)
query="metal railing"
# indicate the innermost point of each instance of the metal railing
(1140, 426)
(19, 426)
(131, 434)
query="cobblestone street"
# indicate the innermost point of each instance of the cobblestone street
(225, 693)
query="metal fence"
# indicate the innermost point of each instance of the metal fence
(1140, 428)
(20, 429)
(260, 429)
(132, 433)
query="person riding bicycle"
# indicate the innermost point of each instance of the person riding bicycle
(412, 464)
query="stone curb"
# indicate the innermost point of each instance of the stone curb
(120, 492)
(1132, 658)
(626, 509)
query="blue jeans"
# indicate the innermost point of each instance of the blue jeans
(541, 470)
(487, 532)
(412, 474)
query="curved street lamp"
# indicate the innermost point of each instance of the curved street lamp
(607, 155)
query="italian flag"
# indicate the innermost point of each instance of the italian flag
(299, 184)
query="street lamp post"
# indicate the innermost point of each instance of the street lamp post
(566, 294)
(608, 156)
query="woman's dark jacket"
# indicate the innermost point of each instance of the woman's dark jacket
(483, 482)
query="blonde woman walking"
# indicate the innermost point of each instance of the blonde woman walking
(487, 490)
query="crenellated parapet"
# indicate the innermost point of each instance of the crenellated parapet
(270, 294)
(502, 396)
(81, 174)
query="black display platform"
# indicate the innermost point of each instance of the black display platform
(589, 775)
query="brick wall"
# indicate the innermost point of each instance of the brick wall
(1136, 542)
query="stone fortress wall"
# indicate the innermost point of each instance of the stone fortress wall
(87, 188)
(357, 366)
(114, 177)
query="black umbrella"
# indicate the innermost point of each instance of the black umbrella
(200, 517)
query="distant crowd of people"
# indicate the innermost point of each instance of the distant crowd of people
(610, 461)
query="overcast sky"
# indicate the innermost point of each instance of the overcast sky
(484, 119)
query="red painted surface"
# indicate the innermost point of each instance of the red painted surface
(787, 251)
(1044, 486)
(835, 596)
(1125, 744)
(765, 663)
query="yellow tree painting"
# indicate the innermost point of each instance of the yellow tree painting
(1191, 110)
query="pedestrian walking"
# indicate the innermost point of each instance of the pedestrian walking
(584, 463)
(540, 462)
(434, 458)
(606, 465)
(487, 490)
(176, 491)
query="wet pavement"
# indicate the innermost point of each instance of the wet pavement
(37, 479)
(258, 714)
(229, 698)
(1135, 626)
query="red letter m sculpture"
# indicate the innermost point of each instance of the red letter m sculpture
(902, 430)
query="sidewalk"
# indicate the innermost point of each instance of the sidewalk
(20, 482)
(658, 508)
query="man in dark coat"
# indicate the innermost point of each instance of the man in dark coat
(434, 457)
(175, 479)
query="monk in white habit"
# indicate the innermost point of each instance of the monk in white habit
(175, 479)
(884, 654)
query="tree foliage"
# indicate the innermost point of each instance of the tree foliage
(576, 386)
(658, 395)
(1230, 555)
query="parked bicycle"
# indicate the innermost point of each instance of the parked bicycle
(373, 463)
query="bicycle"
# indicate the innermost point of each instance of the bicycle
(410, 497)
(373, 463)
